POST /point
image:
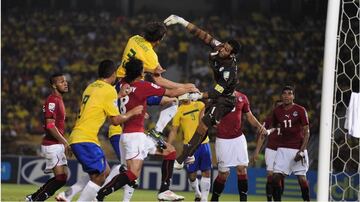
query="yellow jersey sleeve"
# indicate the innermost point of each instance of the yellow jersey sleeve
(138, 47)
(114, 130)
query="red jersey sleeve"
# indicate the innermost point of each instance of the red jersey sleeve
(246, 107)
(151, 89)
(304, 117)
(50, 108)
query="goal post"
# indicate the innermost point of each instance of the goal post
(339, 161)
(327, 97)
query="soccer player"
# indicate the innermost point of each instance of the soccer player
(223, 63)
(99, 101)
(135, 145)
(54, 146)
(270, 152)
(187, 118)
(291, 154)
(142, 48)
(231, 147)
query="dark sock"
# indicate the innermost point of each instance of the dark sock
(116, 183)
(167, 168)
(243, 187)
(277, 188)
(189, 150)
(305, 193)
(49, 188)
(269, 188)
(282, 185)
(218, 188)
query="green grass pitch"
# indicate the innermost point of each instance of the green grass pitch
(15, 192)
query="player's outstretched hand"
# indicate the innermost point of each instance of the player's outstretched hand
(174, 19)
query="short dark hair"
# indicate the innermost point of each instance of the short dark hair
(53, 76)
(106, 68)
(154, 31)
(288, 88)
(134, 68)
(235, 45)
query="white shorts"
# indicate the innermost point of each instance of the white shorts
(54, 156)
(136, 146)
(285, 163)
(269, 159)
(231, 152)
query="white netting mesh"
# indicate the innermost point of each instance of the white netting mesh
(345, 162)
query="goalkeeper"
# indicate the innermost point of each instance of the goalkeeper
(222, 60)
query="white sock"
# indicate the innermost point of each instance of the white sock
(114, 171)
(77, 187)
(195, 186)
(205, 188)
(89, 192)
(128, 193)
(165, 117)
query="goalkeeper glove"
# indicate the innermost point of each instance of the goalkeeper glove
(174, 19)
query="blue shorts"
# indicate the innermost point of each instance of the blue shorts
(202, 159)
(90, 156)
(115, 143)
(153, 100)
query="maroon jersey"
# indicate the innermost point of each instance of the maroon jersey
(291, 122)
(273, 138)
(230, 126)
(140, 90)
(54, 109)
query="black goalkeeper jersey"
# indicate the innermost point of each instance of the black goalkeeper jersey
(225, 76)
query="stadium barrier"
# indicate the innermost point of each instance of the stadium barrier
(28, 170)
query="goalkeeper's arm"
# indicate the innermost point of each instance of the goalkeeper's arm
(193, 29)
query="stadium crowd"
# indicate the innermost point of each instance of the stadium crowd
(276, 51)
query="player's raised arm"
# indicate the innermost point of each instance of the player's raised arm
(193, 29)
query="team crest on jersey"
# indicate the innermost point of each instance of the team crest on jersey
(155, 86)
(51, 106)
(240, 99)
(226, 75)
(295, 114)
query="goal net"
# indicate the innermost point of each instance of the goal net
(344, 163)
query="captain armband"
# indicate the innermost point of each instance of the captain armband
(219, 88)
(50, 125)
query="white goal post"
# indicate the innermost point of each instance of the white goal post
(338, 162)
(327, 98)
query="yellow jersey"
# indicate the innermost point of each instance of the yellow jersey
(99, 101)
(141, 49)
(114, 130)
(187, 117)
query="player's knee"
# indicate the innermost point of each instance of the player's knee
(241, 170)
(224, 172)
(206, 173)
(171, 155)
(61, 178)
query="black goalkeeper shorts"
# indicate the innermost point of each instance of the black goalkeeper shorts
(217, 109)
